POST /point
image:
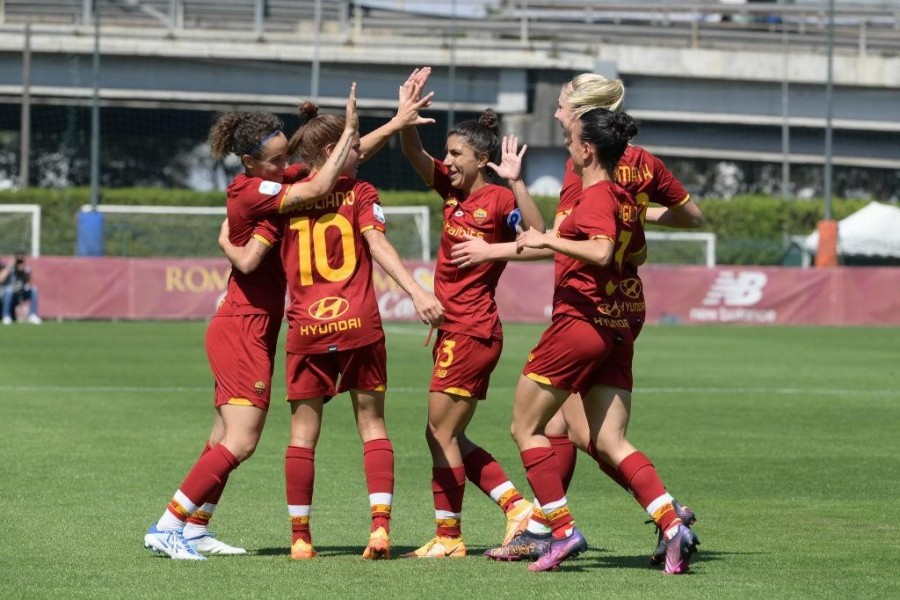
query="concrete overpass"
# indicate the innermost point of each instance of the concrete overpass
(700, 91)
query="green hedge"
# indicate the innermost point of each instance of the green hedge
(749, 229)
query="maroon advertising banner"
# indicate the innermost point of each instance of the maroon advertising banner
(126, 288)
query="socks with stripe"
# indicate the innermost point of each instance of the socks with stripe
(211, 470)
(483, 470)
(300, 476)
(448, 484)
(378, 461)
(543, 474)
(648, 489)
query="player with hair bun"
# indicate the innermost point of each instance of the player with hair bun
(601, 232)
(335, 340)
(647, 178)
(242, 335)
(470, 339)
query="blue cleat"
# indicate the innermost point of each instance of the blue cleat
(524, 546)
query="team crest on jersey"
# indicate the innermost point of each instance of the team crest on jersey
(269, 188)
(480, 215)
(330, 307)
(260, 387)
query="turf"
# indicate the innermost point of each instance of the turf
(784, 440)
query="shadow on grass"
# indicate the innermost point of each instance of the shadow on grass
(325, 551)
(642, 561)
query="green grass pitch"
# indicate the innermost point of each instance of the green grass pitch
(786, 441)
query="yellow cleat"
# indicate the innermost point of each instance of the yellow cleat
(379, 545)
(440, 547)
(302, 550)
(517, 520)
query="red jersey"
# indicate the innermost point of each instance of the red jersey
(590, 292)
(468, 294)
(329, 269)
(641, 174)
(648, 180)
(248, 200)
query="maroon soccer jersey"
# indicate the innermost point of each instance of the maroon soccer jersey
(604, 210)
(468, 294)
(249, 200)
(643, 175)
(329, 269)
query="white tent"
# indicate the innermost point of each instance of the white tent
(871, 231)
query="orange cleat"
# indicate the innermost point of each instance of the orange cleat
(302, 550)
(379, 547)
(440, 547)
(517, 520)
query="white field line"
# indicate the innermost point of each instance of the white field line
(723, 391)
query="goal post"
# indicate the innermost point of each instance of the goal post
(663, 244)
(140, 230)
(17, 236)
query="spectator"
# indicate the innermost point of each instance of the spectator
(15, 280)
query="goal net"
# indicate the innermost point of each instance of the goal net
(184, 231)
(20, 229)
(681, 248)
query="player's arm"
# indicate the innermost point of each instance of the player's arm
(597, 250)
(410, 102)
(244, 258)
(475, 250)
(684, 216)
(422, 162)
(321, 185)
(427, 306)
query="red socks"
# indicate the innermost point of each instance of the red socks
(378, 460)
(448, 486)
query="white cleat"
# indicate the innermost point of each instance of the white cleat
(35, 320)
(7, 320)
(171, 543)
(208, 544)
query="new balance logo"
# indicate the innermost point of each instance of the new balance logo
(733, 288)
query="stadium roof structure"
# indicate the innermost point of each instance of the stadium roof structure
(873, 230)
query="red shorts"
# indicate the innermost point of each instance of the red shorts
(616, 370)
(241, 351)
(570, 355)
(463, 364)
(314, 375)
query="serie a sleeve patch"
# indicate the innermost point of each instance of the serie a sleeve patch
(269, 188)
(378, 212)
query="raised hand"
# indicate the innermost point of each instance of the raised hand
(510, 167)
(410, 100)
(352, 122)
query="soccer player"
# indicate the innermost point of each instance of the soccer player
(647, 178)
(335, 340)
(241, 337)
(470, 339)
(591, 245)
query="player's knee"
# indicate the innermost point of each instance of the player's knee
(242, 447)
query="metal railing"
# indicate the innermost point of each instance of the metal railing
(866, 28)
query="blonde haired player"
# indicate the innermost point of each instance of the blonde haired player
(646, 177)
